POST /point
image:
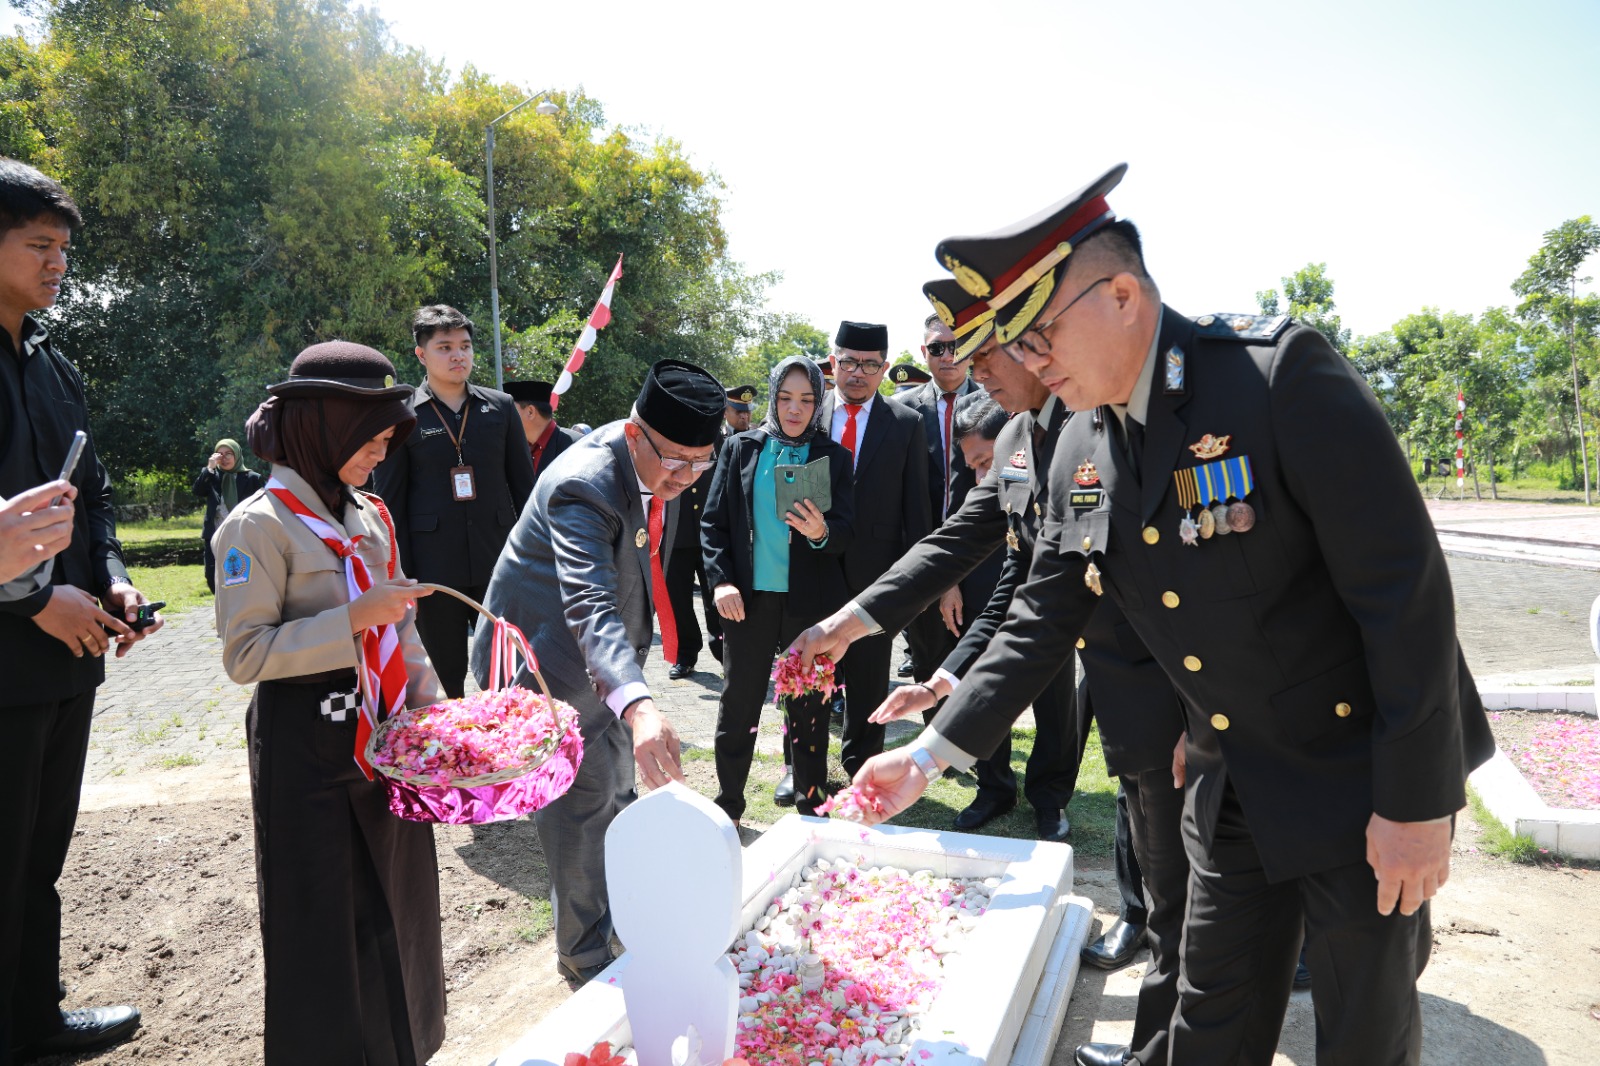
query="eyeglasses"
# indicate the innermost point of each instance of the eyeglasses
(941, 349)
(1033, 341)
(699, 466)
(866, 366)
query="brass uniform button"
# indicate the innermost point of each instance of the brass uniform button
(1151, 534)
(1080, 642)
(1191, 664)
(1342, 710)
(1170, 599)
(1219, 722)
(1088, 542)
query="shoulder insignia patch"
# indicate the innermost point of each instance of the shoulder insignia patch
(1253, 328)
(235, 568)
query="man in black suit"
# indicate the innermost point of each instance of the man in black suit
(546, 439)
(1225, 500)
(891, 514)
(456, 487)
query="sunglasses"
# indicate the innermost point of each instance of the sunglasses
(699, 466)
(941, 349)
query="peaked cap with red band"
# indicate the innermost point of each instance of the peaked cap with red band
(1012, 272)
(968, 317)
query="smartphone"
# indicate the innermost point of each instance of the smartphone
(143, 618)
(68, 468)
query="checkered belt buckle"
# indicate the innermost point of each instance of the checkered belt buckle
(336, 705)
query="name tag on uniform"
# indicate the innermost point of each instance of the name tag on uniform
(1011, 473)
(436, 431)
(1082, 498)
(461, 484)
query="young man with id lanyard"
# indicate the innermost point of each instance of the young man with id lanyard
(456, 487)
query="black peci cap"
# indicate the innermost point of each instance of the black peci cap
(862, 337)
(683, 403)
(340, 368)
(1014, 270)
(529, 391)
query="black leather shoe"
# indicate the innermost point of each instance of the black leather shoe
(1116, 947)
(906, 667)
(1053, 824)
(1101, 1054)
(578, 976)
(982, 811)
(88, 1029)
(1302, 976)
(783, 795)
(679, 671)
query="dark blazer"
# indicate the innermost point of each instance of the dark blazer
(442, 539)
(727, 530)
(924, 399)
(559, 441)
(891, 489)
(1140, 717)
(208, 486)
(1316, 653)
(683, 515)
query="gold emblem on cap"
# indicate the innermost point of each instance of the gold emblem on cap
(388, 381)
(942, 311)
(640, 538)
(1037, 299)
(974, 283)
(1205, 320)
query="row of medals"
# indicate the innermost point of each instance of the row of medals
(1218, 520)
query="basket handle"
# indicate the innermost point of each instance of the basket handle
(508, 643)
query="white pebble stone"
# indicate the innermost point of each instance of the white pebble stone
(748, 1004)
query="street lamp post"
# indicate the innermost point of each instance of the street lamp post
(544, 108)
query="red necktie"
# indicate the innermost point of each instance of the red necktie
(658, 583)
(949, 445)
(848, 439)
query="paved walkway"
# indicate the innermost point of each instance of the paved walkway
(1549, 534)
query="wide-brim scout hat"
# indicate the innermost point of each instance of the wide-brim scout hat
(341, 368)
(741, 397)
(908, 374)
(969, 318)
(1014, 270)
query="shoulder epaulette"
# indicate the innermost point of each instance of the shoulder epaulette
(1242, 327)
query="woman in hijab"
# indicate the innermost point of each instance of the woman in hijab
(222, 484)
(773, 574)
(313, 608)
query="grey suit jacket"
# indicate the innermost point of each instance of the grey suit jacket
(574, 576)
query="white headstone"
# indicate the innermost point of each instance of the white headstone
(673, 873)
(1594, 642)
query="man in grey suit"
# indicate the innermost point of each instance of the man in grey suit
(574, 576)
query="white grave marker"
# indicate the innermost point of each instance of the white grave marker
(673, 872)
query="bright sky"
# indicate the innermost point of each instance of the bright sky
(1420, 149)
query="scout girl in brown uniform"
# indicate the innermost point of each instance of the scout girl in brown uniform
(349, 894)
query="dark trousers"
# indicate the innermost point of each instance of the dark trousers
(929, 642)
(1242, 937)
(1052, 772)
(681, 570)
(1155, 830)
(1130, 878)
(445, 625)
(46, 744)
(751, 647)
(864, 670)
(211, 566)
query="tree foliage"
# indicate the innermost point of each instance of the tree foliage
(258, 175)
(1308, 293)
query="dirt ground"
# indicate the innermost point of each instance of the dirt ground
(159, 910)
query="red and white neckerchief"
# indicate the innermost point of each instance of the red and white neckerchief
(383, 668)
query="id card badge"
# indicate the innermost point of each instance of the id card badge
(461, 483)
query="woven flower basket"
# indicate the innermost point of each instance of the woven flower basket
(508, 792)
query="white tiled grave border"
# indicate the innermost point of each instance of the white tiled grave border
(1005, 993)
(1513, 801)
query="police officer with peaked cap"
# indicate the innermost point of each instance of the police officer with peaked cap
(736, 416)
(907, 377)
(1224, 500)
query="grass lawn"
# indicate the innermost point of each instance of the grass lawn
(167, 560)
(1092, 811)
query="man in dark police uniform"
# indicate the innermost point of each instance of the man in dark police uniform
(1223, 500)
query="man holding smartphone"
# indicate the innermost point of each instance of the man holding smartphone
(52, 638)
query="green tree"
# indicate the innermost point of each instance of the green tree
(1308, 293)
(1549, 288)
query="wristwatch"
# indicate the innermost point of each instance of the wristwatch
(930, 769)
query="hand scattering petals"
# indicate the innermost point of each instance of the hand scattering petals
(791, 680)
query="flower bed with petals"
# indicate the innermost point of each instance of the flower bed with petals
(1558, 754)
(839, 968)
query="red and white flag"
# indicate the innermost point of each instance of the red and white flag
(598, 319)
(1461, 451)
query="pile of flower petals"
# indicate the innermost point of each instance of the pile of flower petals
(1561, 760)
(479, 734)
(852, 805)
(880, 935)
(790, 679)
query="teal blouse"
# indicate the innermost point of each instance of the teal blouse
(771, 554)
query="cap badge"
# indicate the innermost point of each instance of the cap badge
(1086, 474)
(942, 311)
(1174, 365)
(1019, 460)
(388, 381)
(970, 280)
(1210, 446)
(1205, 320)
(1242, 323)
